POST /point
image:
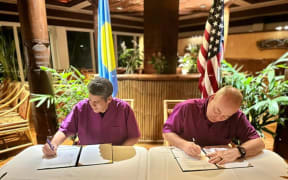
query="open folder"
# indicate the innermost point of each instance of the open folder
(72, 156)
(188, 163)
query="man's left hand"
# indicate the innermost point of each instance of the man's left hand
(222, 157)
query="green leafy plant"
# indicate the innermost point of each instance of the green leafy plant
(159, 62)
(188, 62)
(70, 87)
(8, 61)
(130, 58)
(262, 93)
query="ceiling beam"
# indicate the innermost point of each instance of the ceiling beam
(81, 5)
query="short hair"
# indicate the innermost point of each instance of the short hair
(232, 93)
(100, 87)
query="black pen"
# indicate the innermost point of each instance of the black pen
(4, 174)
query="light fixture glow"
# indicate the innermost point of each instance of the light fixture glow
(119, 8)
(278, 28)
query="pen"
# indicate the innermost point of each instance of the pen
(50, 145)
(4, 174)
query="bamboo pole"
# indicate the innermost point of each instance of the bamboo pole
(33, 21)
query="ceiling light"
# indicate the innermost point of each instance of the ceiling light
(119, 8)
(202, 6)
(286, 27)
(278, 28)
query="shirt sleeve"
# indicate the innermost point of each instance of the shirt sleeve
(69, 124)
(132, 126)
(174, 122)
(245, 131)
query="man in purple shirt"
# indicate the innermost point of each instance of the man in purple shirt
(213, 121)
(97, 120)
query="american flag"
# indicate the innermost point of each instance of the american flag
(211, 51)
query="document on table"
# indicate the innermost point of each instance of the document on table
(71, 156)
(235, 164)
(188, 163)
(96, 154)
(66, 157)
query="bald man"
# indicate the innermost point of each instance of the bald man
(213, 121)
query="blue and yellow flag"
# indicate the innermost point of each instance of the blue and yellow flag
(106, 57)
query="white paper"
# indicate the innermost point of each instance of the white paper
(236, 164)
(189, 163)
(66, 157)
(91, 155)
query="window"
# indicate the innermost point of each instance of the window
(128, 42)
(8, 60)
(79, 49)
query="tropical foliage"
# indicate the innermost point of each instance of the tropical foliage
(188, 62)
(70, 87)
(130, 58)
(159, 62)
(8, 60)
(263, 93)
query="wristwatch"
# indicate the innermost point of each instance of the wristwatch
(242, 151)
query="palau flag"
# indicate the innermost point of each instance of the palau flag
(106, 57)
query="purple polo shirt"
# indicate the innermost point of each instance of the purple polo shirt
(189, 121)
(117, 125)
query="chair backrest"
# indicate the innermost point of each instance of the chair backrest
(130, 102)
(24, 107)
(10, 93)
(168, 106)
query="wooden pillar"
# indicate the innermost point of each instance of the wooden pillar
(33, 21)
(161, 32)
(95, 25)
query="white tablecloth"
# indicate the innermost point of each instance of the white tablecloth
(267, 166)
(126, 167)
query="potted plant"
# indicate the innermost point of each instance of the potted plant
(130, 58)
(159, 62)
(262, 93)
(188, 62)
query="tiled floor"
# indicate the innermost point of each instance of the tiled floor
(4, 158)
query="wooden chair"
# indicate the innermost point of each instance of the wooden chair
(14, 125)
(168, 106)
(9, 93)
(11, 99)
(130, 102)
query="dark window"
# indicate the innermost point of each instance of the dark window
(79, 49)
(8, 62)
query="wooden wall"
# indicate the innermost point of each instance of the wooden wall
(148, 92)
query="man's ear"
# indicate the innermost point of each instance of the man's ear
(212, 96)
(109, 99)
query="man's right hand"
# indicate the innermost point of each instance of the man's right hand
(48, 152)
(192, 149)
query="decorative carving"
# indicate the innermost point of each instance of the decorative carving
(273, 44)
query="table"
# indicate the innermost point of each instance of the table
(267, 166)
(129, 163)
